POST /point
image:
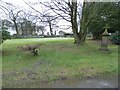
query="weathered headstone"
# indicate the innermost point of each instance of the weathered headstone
(104, 41)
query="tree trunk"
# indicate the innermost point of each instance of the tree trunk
(77, 39)
(84, 22)
(16, 27)
(22, 28)
(55, 33)
(42, 32)
(50, 26)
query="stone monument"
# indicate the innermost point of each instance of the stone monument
(104, 41)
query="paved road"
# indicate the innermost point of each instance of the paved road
(85, 83)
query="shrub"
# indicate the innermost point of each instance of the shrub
(4, 35)
(68, 35)
(115, 38)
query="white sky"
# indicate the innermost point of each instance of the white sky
(21, 5)
(21, 2)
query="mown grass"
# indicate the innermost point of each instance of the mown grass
(59, 58)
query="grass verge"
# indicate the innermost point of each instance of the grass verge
(58, 59)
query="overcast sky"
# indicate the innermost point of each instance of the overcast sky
(22, 5)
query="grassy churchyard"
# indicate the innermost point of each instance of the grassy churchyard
(59, 58)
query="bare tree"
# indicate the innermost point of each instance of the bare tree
(80, 16)
(12, 12)
(68, 11)
(40, 29)
(47, 18)
(27, 27)
(50, 21)
(89, 13)
(27, 23)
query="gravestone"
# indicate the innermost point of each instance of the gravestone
(104, 42)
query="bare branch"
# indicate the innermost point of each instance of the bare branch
(57, 10)
(3, 10)
(33, 8)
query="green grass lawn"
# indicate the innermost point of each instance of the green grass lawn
(59, 58)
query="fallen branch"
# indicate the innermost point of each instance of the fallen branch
(31, 48)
